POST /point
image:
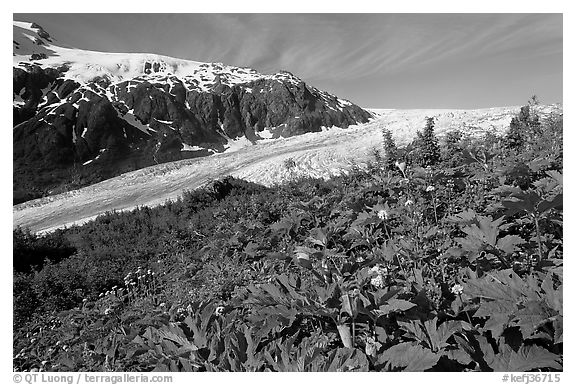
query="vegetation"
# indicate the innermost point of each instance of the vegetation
(440, 263)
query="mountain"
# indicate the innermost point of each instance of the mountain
(80, 116)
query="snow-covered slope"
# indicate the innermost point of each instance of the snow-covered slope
(84, 66)
(330, 152)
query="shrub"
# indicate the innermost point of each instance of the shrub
(427, 147)
(390, 149)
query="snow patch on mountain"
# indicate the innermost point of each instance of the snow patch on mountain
(83, 66)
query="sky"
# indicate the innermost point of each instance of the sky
(375, 60)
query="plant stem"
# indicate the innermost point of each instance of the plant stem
(467, 315)
(434, 204)
(538, 237)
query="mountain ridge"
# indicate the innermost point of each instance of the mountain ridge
(84, 116)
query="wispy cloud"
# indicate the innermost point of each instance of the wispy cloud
(334, 46)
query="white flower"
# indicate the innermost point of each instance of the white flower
(409, 202)
(401, 166)
(382, 214)
(219, 310)
(430, 188)
(378, 269)
(108, 311)
(84, 300)
(44, 363)
(360, 260)
(457, 289)
(377, 282)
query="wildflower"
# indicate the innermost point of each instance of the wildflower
(382, 214)
(457, 289)
(378, 269)
(409, 202)
(219, 310)
(360, 260)
(401, 165)
(159, 261)
(377, 282)
(162, 304)
(108, 311)
(430, 188)
(84, 300)
(44, 363)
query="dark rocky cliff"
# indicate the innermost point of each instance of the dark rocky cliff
(68, 134)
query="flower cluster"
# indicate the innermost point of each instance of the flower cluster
(383, 214)
(457, 289)
(380, 275)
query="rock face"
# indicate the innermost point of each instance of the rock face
(81, 116)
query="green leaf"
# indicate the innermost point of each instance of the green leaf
(414, 330)
(530, 317)
(408, 357)
(558, 330)
(497, 323)
(394, 305)
(318, 237)
(176, 334)
(527, 358)
(251, 249)
(555, 203)
(349, 305)
(508, 243)
(558, 177)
